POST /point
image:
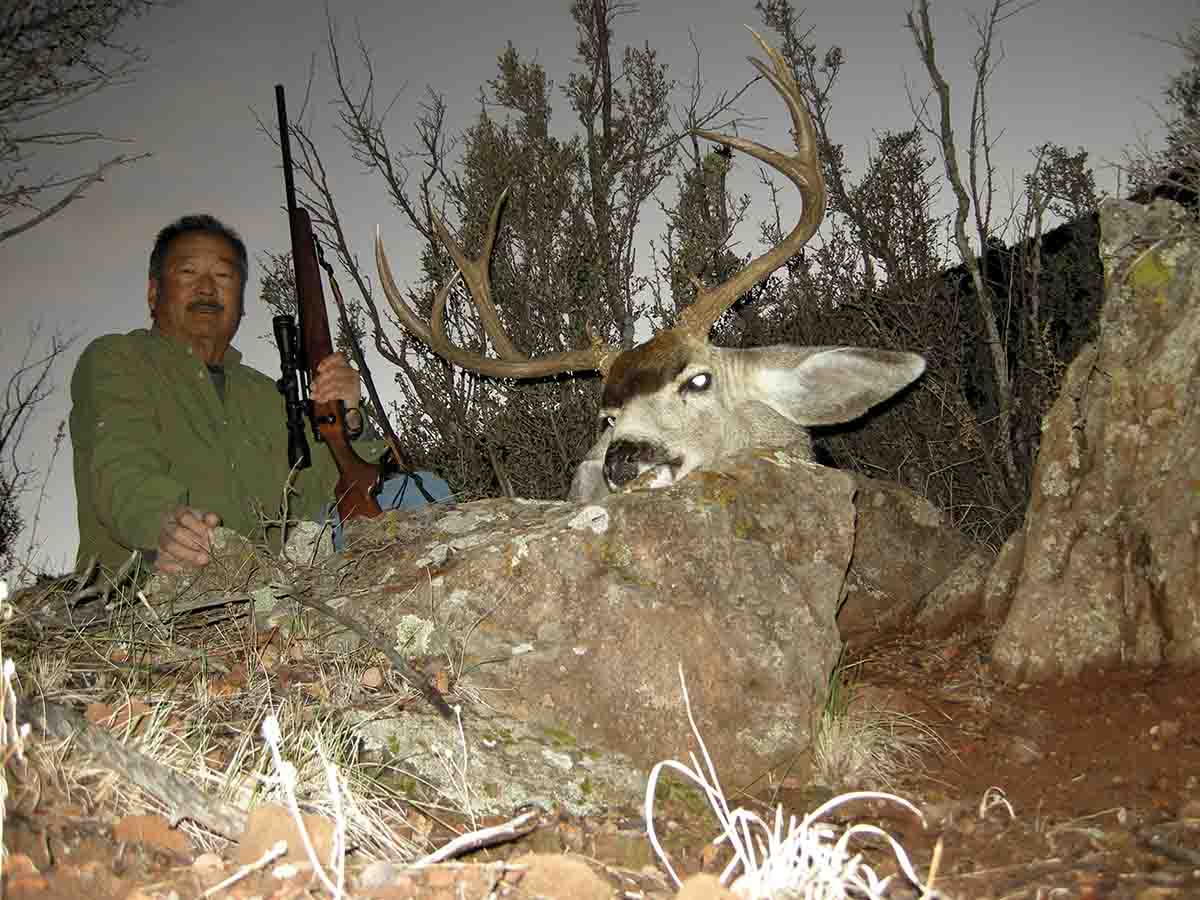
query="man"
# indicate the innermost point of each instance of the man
(173, 435)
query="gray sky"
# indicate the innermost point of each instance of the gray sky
(1074, 73)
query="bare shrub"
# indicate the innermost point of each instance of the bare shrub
(997, 303)
(25, 390)
(54, 53)
(1174, 171)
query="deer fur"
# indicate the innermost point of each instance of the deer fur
(677, 403)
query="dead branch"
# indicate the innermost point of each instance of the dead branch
(921, 27)
(182, 800)
(52, 56)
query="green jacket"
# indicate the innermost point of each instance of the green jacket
(150, 431)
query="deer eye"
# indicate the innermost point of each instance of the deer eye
(697, 384)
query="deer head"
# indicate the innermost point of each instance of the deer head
(677, 402)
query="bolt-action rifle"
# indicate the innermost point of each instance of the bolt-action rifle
(299, 353)
(301, 348)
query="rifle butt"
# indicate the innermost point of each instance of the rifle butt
(358, 480)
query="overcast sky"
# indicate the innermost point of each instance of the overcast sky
(1075, 72)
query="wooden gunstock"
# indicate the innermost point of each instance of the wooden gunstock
(357, 477)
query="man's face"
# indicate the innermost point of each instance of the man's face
(198, 297)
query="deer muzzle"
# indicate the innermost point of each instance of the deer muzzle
(626, 460)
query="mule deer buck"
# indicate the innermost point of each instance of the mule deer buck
(676, 402)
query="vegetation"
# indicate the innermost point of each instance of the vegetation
(1174, 171)
(54, 53)
(882, 273)
(996, 316)
(565, 261)
(998, 307)
(24, 391)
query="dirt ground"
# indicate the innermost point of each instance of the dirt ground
(1087, 789)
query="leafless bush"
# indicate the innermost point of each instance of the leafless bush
(24, 391)
(54, 53)
(997, 304)
(1174, 171)
(996, 300)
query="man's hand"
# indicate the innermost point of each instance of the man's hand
(336, 381)
(185, 539)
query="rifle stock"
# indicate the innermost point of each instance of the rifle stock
(358, 480)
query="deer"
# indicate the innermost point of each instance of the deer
(676, 402)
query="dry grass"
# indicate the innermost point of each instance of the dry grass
(863, 747)
(187, 681)
(869, 748)
(809, 859)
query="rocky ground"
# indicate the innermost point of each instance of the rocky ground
(1087, 789)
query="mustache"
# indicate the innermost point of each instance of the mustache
(206, 303)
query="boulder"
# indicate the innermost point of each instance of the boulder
(579, 617)
(1108, 566)
(903, 550)
(959, 597)
(562, 628)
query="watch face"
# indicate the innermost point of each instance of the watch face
(354, 422)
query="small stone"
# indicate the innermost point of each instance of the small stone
(1169, 729)
(704, 887)
(208, 862)
(271, 823)
(379, 873)
(562, 876)
(1024, 751)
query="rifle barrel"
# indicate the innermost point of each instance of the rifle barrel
(289, 185)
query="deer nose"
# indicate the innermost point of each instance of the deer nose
(621, 461)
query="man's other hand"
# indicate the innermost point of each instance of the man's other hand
(336, 380)
(185, 539)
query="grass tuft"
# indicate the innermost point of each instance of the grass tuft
(808, 859)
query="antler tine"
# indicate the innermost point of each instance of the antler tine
(479, 283)
(803, 169)
(597, 357)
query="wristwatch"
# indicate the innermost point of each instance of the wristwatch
(353, 420)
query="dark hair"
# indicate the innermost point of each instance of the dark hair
(207, 224)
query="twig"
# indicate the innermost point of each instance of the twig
(275, 851)
(287, 776)
(182, 799)
(1159, 844)
(84, 182)
(484, 837)
(418, 680)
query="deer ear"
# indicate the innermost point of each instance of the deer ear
(828, 386)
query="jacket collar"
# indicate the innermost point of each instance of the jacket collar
(232, 355)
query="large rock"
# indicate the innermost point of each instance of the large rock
(579, 617)
(904, 550)
(1109, 561)
(566, 624)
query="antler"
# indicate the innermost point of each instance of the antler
(803, 169)
(514, 363)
